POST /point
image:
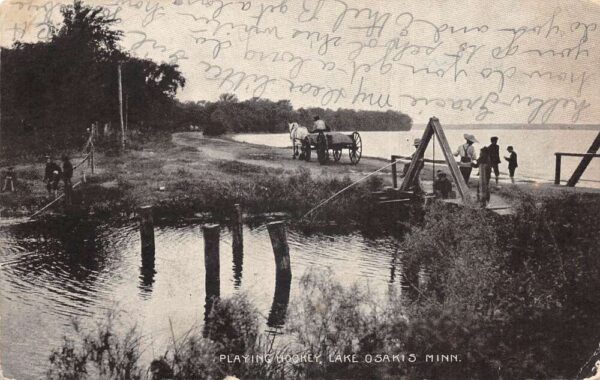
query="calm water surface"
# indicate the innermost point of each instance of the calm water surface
(52, 274)
(535, 148)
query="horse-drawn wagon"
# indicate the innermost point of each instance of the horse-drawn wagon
(332, 144)
(324, 142)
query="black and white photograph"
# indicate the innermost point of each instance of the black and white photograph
(299, 189)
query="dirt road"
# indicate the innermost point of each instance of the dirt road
(278, 158)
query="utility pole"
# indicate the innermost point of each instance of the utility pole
(126, 112)
(121, 110)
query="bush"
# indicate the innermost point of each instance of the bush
(514, 292)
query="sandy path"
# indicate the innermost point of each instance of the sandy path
(279, 158)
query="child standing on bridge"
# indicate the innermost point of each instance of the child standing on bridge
(512, 163)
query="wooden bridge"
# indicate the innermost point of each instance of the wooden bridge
(402, 193)
(585, 161)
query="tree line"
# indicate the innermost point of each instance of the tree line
(52, 91)
(257, 115)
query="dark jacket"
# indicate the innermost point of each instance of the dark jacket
(443, 186)
(50, 169)
(494, 150)
(67, 169)
(512, 160)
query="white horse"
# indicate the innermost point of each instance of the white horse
(297, 135)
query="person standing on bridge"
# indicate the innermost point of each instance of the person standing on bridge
(494, 151)
(319, 125)
(485, 172)
(467, 156)
(52, 176)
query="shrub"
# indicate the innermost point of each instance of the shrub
(515, 292)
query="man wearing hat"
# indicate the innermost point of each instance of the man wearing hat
(319, 125)
(467, 156)
(494, 151)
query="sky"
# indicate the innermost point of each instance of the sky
(466, 62)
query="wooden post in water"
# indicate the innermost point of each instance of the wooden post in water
(281, 249)
(283, 274)
(147, 235)
(237, 244)
(211, 265)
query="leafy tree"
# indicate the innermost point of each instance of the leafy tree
(52, 91)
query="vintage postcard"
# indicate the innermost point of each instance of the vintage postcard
(299, 189)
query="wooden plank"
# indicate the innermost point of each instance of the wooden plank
(463, 189)
(577, 154)
(413, 169)
(395, 201)
(585, 161)
(53, 202)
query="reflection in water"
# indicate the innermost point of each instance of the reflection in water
(147, 273)
(237, 249)
(281, 300)
(148, 251)
(212, 268)
(51, 273)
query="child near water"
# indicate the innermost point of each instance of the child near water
(512, 163)
(9, 180)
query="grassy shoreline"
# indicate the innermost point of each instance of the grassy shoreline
(183, 181)
(512, 297)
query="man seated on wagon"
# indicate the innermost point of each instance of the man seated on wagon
(319, 125)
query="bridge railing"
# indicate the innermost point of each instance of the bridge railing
(559, 156)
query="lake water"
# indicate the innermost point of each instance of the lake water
(535, 148)
(52, 274)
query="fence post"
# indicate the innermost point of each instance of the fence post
(557, 169)
(92, 158)
(237, 232)
(68, 194)
(394, 173)
(211, 266)
(283, 274)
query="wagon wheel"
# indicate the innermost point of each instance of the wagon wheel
(306, 148)
(337, 154)
(322, 149)
(355, 151)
